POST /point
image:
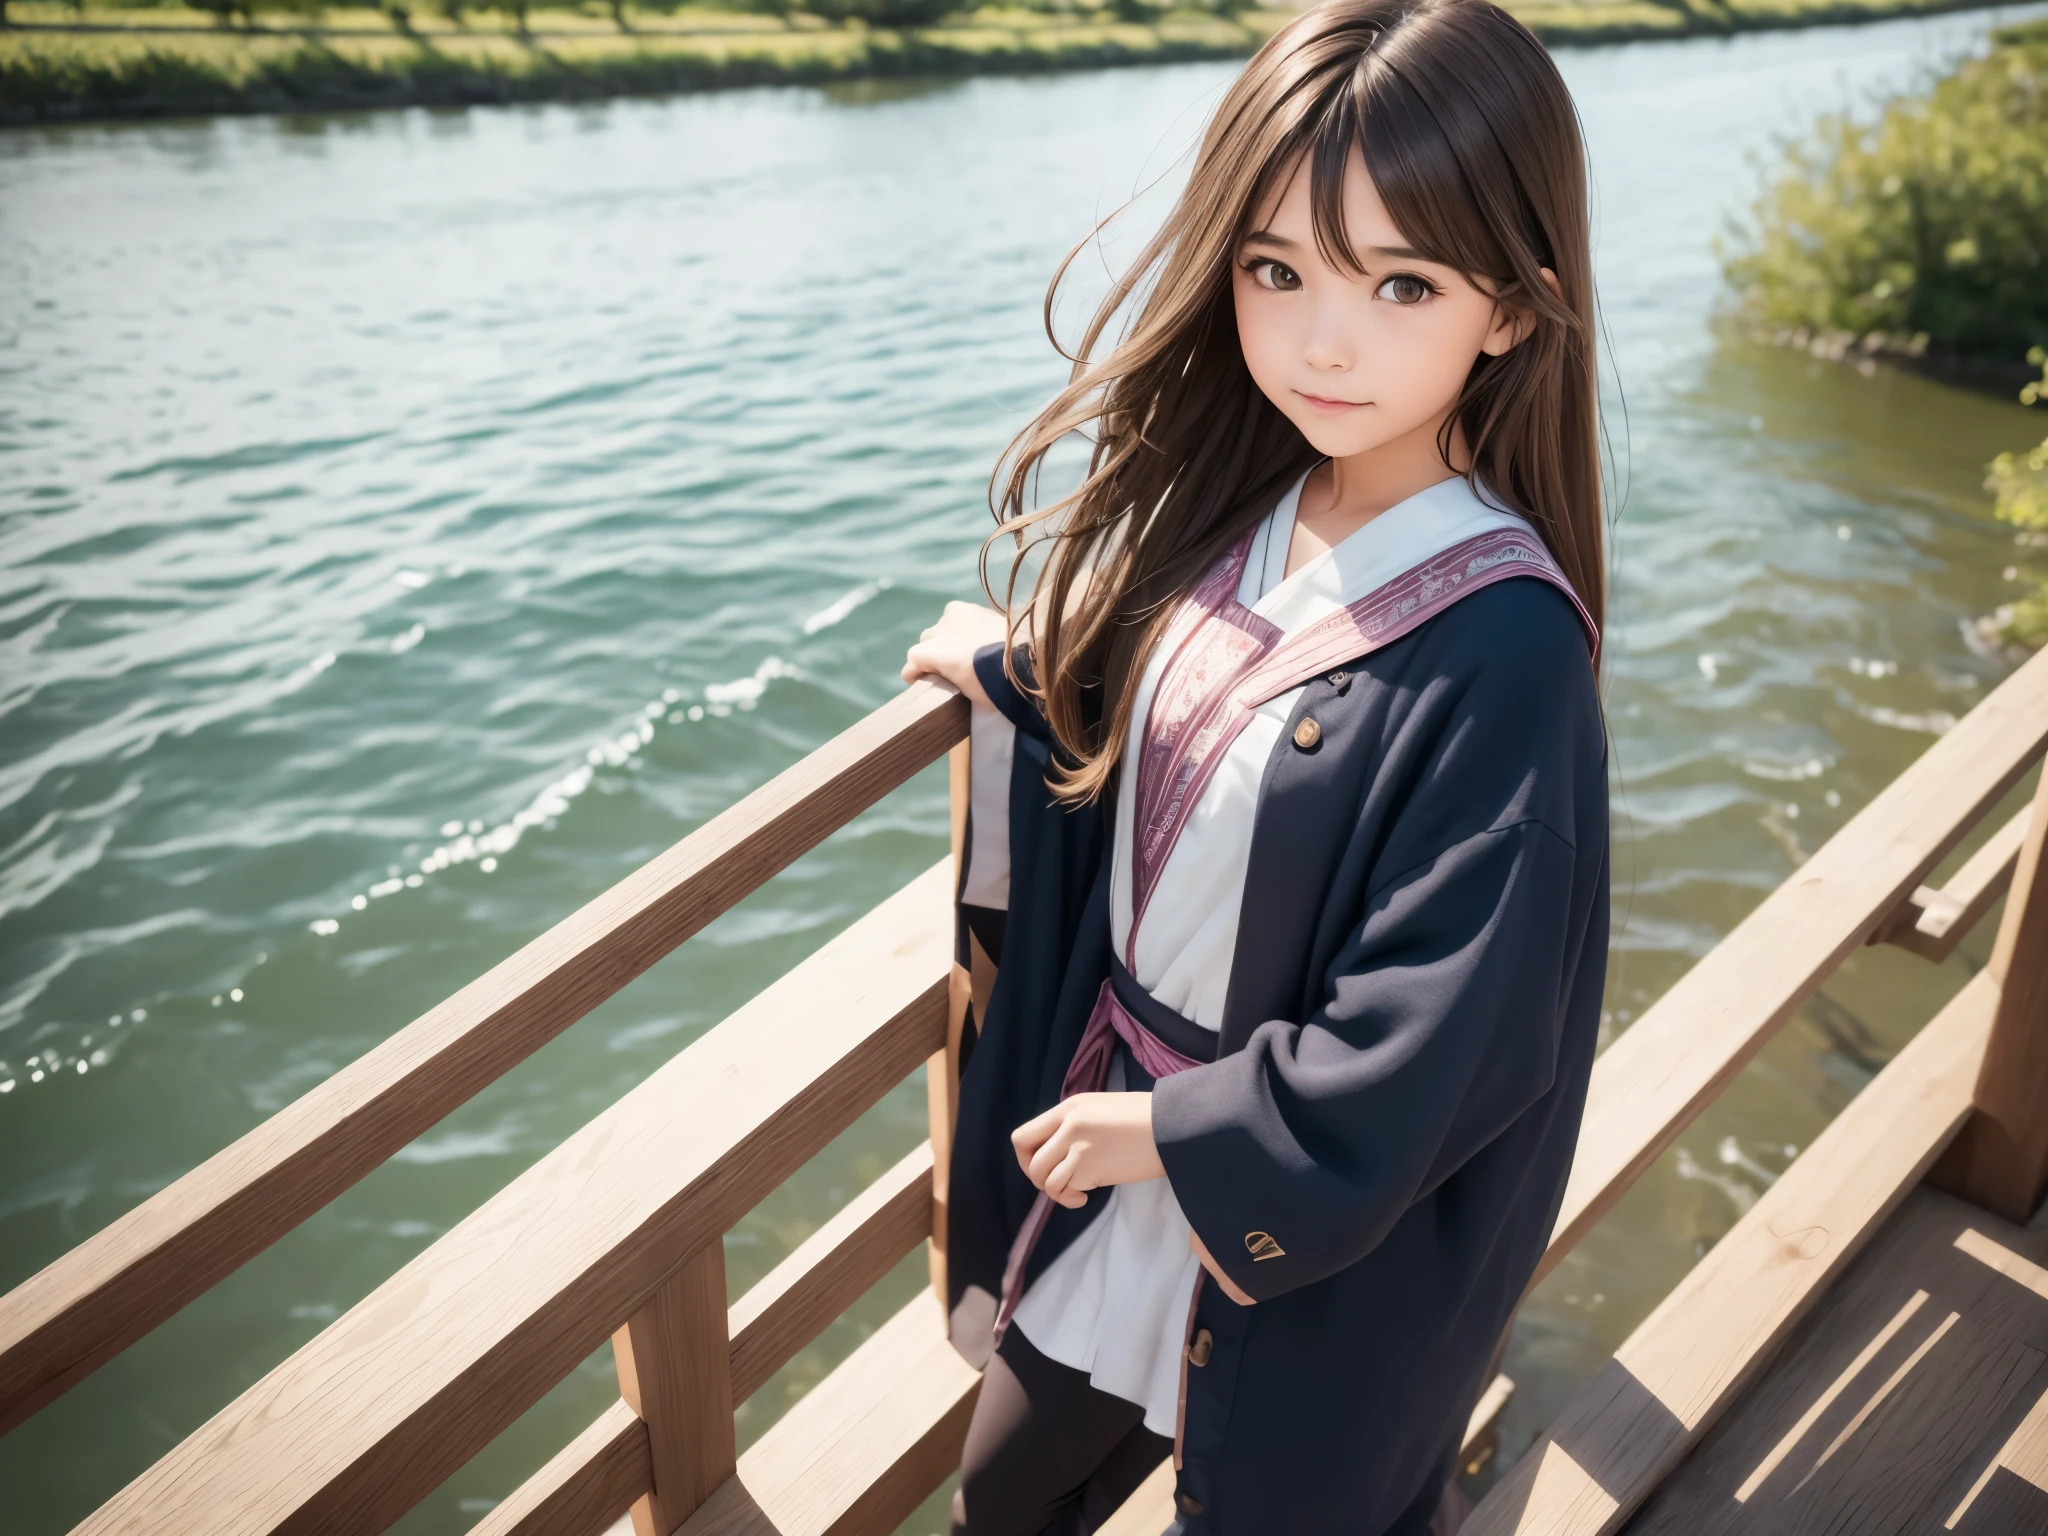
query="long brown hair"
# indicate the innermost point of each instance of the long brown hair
(1473, 144)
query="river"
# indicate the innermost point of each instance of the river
(549, 478)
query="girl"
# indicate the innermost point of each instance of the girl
(1289, 812)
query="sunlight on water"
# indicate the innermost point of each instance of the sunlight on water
(410, 524)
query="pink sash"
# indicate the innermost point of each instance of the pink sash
(1087, 1073)
(1223, 666)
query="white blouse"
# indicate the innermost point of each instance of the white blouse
(1115, 1302)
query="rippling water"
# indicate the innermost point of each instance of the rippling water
(411, 523)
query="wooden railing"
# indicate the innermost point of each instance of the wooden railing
(618, 1231)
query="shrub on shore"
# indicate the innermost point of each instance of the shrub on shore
(1931, 223)
(2018, 483)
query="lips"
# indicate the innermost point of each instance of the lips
(1322, 402)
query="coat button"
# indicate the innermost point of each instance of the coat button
(1308, 733)
(1198, 1350)
(1190, 1505)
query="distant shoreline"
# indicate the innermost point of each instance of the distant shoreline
(53, 72)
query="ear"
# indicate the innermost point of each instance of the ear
(1512, 323)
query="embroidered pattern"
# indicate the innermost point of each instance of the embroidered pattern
(1226, 661)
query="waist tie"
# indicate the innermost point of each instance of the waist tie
(1123, 1011)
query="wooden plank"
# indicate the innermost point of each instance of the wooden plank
(1691, 1357)
(769, 1326)
(1931, 923)
(779, 1316)
(675, 1370)
(1675, 1060)
(2013, 1495)
(2000, 1161)
(863, 1448)
(829, 1271)
(63, 1323)
(1480, 1441)
(1889, 1403)
(355, 1427)
(588, 1485)
(1149, 1510)
(942, 1072)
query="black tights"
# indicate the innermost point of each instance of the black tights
(1048, 1454)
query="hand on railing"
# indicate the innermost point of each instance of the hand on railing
(946, 650)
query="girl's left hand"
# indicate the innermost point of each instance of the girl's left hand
(1088, 1141)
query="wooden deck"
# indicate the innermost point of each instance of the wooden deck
(1792, 1382)
(1913, 1398)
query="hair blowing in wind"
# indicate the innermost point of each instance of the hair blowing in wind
(1470, 137)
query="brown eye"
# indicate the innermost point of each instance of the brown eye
(1405, 288)
(1268, 273)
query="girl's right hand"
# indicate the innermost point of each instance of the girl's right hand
(947, 649)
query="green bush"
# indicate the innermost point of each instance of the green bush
(2019, 484)
(1932, 223)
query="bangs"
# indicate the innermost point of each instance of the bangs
(1377, 114)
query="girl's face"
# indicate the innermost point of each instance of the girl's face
(1355, 360)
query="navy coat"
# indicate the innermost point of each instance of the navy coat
(1379, 1151)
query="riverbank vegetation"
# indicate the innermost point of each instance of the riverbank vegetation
(2019, 485)
(1923, 233)
(350, 59)
(1923, 236)
(63, 61)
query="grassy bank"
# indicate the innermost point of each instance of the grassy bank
(565, 56)
(60, 62)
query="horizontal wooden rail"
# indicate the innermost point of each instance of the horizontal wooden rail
(1932, 922)
(590, 1483)
(584, 1488)
(862, 1449)
(829, 1271)
(63, 1323)
(1653, 1082)
(376, 1411)
(1694, 1355)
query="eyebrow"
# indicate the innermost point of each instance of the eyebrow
(1395, 252)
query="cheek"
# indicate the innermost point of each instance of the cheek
(1262, 333)
(1426, 356)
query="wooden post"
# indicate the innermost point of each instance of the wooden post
(942, 1072)
(2000, 1158)
(674, 1364)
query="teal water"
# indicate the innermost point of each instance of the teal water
(411, 523)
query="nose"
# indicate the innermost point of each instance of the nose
(1328, 348)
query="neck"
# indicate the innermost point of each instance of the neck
(1343, 495)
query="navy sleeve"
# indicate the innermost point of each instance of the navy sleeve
(1441, 1015)
(1015, 705)
(1294, 1156)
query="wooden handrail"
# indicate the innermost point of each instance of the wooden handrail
(1931, 922)
(1705, 1342)
(64, 1322)
(1653, 1082)
(370, 1416)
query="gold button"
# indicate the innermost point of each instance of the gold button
(1198, 1351)
(1308, 733)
